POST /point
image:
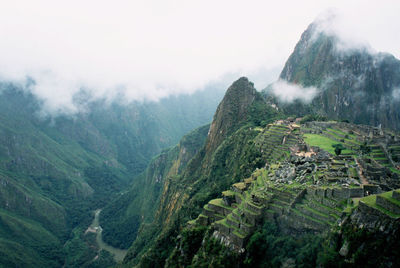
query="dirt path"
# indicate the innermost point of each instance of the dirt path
(361, 173)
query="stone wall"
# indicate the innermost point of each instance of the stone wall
(371, 189)
(386, 204)
(356, 192)
(396, 195)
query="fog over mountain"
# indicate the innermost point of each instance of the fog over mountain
(134, 50)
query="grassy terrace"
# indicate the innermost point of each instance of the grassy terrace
(395, 170)
(323, 143)
(314, 211)
(207, 208)
(228, 193)
(223, 222)
(239, 234)
(219, 202)
(231, 218)
(297, 212)
(371, 201)
(333, 210)
(388, 195)
(351, 137)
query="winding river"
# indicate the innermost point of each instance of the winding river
(95, 227)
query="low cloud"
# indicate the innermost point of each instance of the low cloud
(288, 92)
(147, 50)
(396, 94)
(362, 25)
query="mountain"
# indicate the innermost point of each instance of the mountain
(257, 187)
(266, 189)
(55, 171)
(227, 154)
(353, 83)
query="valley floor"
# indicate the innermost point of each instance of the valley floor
(95, 227)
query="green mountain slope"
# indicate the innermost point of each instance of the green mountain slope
(55, 171)
(228, 154)
(122, 217)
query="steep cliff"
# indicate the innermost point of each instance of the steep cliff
(122, 218)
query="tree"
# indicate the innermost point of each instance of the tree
(364, 148)
(338, 148)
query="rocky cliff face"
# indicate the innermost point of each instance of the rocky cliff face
(353, 84)
(232, 111)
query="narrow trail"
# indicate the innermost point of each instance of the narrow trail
(95, 227)
(361, 173)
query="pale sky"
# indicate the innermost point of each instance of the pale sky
(150, 49)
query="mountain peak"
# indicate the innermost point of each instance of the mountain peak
(232, 110)
(354, 84)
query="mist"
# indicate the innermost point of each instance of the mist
(288, 92)
(131, 50)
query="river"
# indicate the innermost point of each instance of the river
(95, 227)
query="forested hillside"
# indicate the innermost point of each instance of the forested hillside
(55, 171)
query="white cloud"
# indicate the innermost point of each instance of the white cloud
(396, 94)
(150, 49)
(288, 92)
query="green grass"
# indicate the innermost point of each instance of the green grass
(219, 202)
(238, 234)
(308, 217)
(232, 219)
(371, 201)
(323, 143)
(223, 222)
(394, 170)
(353, 172)
(316, 212)
(388, 196)
(207, 208)
(228, 193)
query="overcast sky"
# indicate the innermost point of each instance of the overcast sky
(150, 49)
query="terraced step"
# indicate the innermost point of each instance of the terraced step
(370, 201)
(387, 202)
(381, 160)
(309, 221)
(202, 220)
(281, 202)
(332, 213)
(218, 205)
(211, 214)
(378, 155)
(396, 195)
(313, 213)
(277, 208)
(230, 220)
(282, 195)
(331, 203)
(253, 207)
(375, 147)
